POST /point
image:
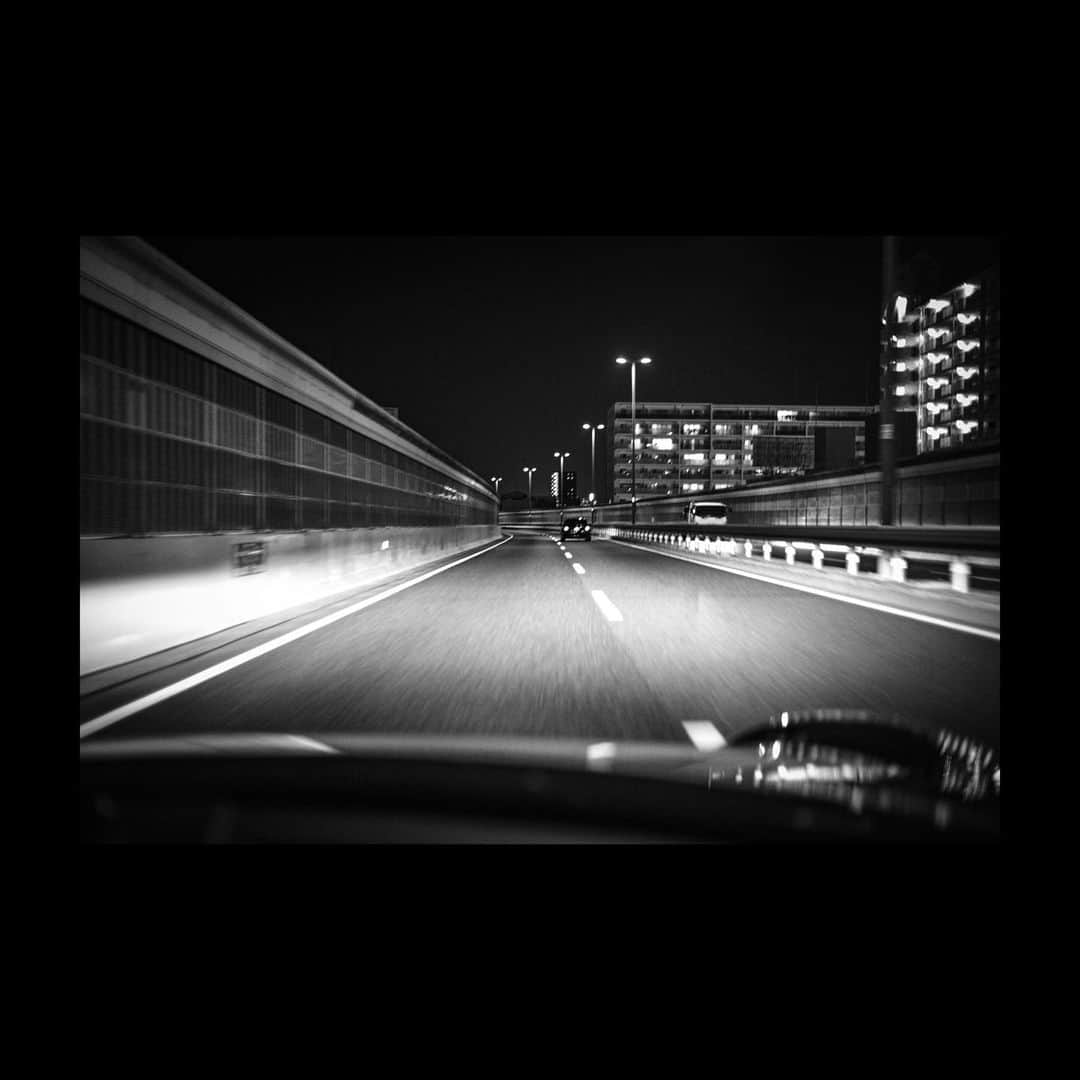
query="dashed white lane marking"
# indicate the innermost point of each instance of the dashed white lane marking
(978, 631)
(132, 707)
(568, 555)
(704, 735)
(578, 568)
(611, 612)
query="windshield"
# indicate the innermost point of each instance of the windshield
(341, 513)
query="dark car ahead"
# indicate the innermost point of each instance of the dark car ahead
(576, 528)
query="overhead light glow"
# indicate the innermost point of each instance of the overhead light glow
(966, 399)
(901, 306)
(936, 331)
(966, 290)
(935, 381)
(966, 318)
(937, 305)
(967, 372)
(966, 425)
(937, 357)
(966, 346)
(934, 407)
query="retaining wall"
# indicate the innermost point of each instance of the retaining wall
(140, 595)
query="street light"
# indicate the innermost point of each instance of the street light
(562, 491)
(530, 472)
(633, 431)
(496, 480)
(592, 429)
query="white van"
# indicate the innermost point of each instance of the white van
(707, 513)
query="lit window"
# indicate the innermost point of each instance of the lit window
(782, 415)
(900, 365)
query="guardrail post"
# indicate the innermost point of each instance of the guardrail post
(766, 550)
(959, 575)
(818, 558)
(883, 566)
(748, 549)
(790, 555)
(852, 560)
(898, 565)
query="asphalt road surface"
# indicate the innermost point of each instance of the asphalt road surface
(597, 641)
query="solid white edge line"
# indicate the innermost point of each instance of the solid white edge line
(611, 612)
(139, 704)
(311, 744)
(993, 635)
(704, 735)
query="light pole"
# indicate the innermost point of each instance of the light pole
(530, 472)
(592, 429)
(562, 491)
(496, 480)
(633, 431)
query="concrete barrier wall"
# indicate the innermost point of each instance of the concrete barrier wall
(141, 595)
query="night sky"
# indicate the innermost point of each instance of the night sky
(499, 349)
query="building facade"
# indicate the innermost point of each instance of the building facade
(688, 448)
(941, 354)
(567, 497)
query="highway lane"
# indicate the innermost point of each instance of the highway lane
(514, 641)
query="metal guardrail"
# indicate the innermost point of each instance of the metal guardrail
(893, 548)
